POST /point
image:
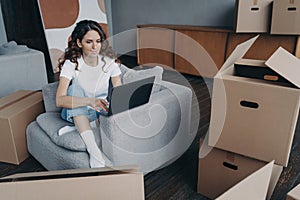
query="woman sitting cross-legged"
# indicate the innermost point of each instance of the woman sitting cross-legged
(85, 70)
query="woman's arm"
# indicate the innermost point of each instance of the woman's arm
(116, 81)
(62, 100)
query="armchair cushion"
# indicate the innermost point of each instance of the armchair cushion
(51, 122)
(49, 95)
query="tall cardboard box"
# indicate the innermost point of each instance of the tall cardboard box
(253, 16)
(256, 118)
(77, 184)
(220, 170)
(17, 110)
(294, 194)
(286, 17)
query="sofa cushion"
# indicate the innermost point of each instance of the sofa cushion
(49, 95)
(51, 122)
(133, 75)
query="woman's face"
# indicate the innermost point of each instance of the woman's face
(90, 44)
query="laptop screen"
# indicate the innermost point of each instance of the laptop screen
(130, 95)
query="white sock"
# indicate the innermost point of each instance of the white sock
(67, 129)
(96, 159)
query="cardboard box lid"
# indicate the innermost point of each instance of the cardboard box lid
(14, 97)
(254, 186)
(294, 193)
(239, 51)
(285, 64)
(75, 184)
(71, 172)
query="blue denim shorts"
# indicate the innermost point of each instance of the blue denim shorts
(68, 113)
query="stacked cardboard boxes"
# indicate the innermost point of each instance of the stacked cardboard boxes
(252, 123)
(268, 16)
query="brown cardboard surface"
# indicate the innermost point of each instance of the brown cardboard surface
(286, 17)
(89, 184)
(294, 194)
(253, 16)
(252, 117)
(220, 170)
(17, 110)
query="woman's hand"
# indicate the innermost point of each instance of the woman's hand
(100, 103)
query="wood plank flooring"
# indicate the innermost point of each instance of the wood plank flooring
(179, 180)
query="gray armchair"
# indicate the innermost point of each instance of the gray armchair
(151, 136)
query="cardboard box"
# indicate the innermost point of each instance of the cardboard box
(17, 110)
(286, 17)
(294, 194)
(256, 118)
(220, 171)
(92, 184)
(252, 68)
(253, 16)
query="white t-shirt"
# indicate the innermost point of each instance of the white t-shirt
(93, 80)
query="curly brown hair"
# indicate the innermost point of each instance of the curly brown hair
(73, 51)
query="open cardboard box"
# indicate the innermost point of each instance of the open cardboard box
(77, 184)
(294, 194)
(222, 173)
(256, 118)
(252, 68)
(17, 110)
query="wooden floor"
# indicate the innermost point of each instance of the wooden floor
(179, 180)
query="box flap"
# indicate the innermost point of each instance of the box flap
(276, 172)
(285, 64)
(14, 97)
(239, 51)
(295, 192)
(70, 172)
(254, 186)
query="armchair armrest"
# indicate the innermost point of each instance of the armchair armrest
(158, 130)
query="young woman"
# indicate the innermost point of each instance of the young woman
(85, 69)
